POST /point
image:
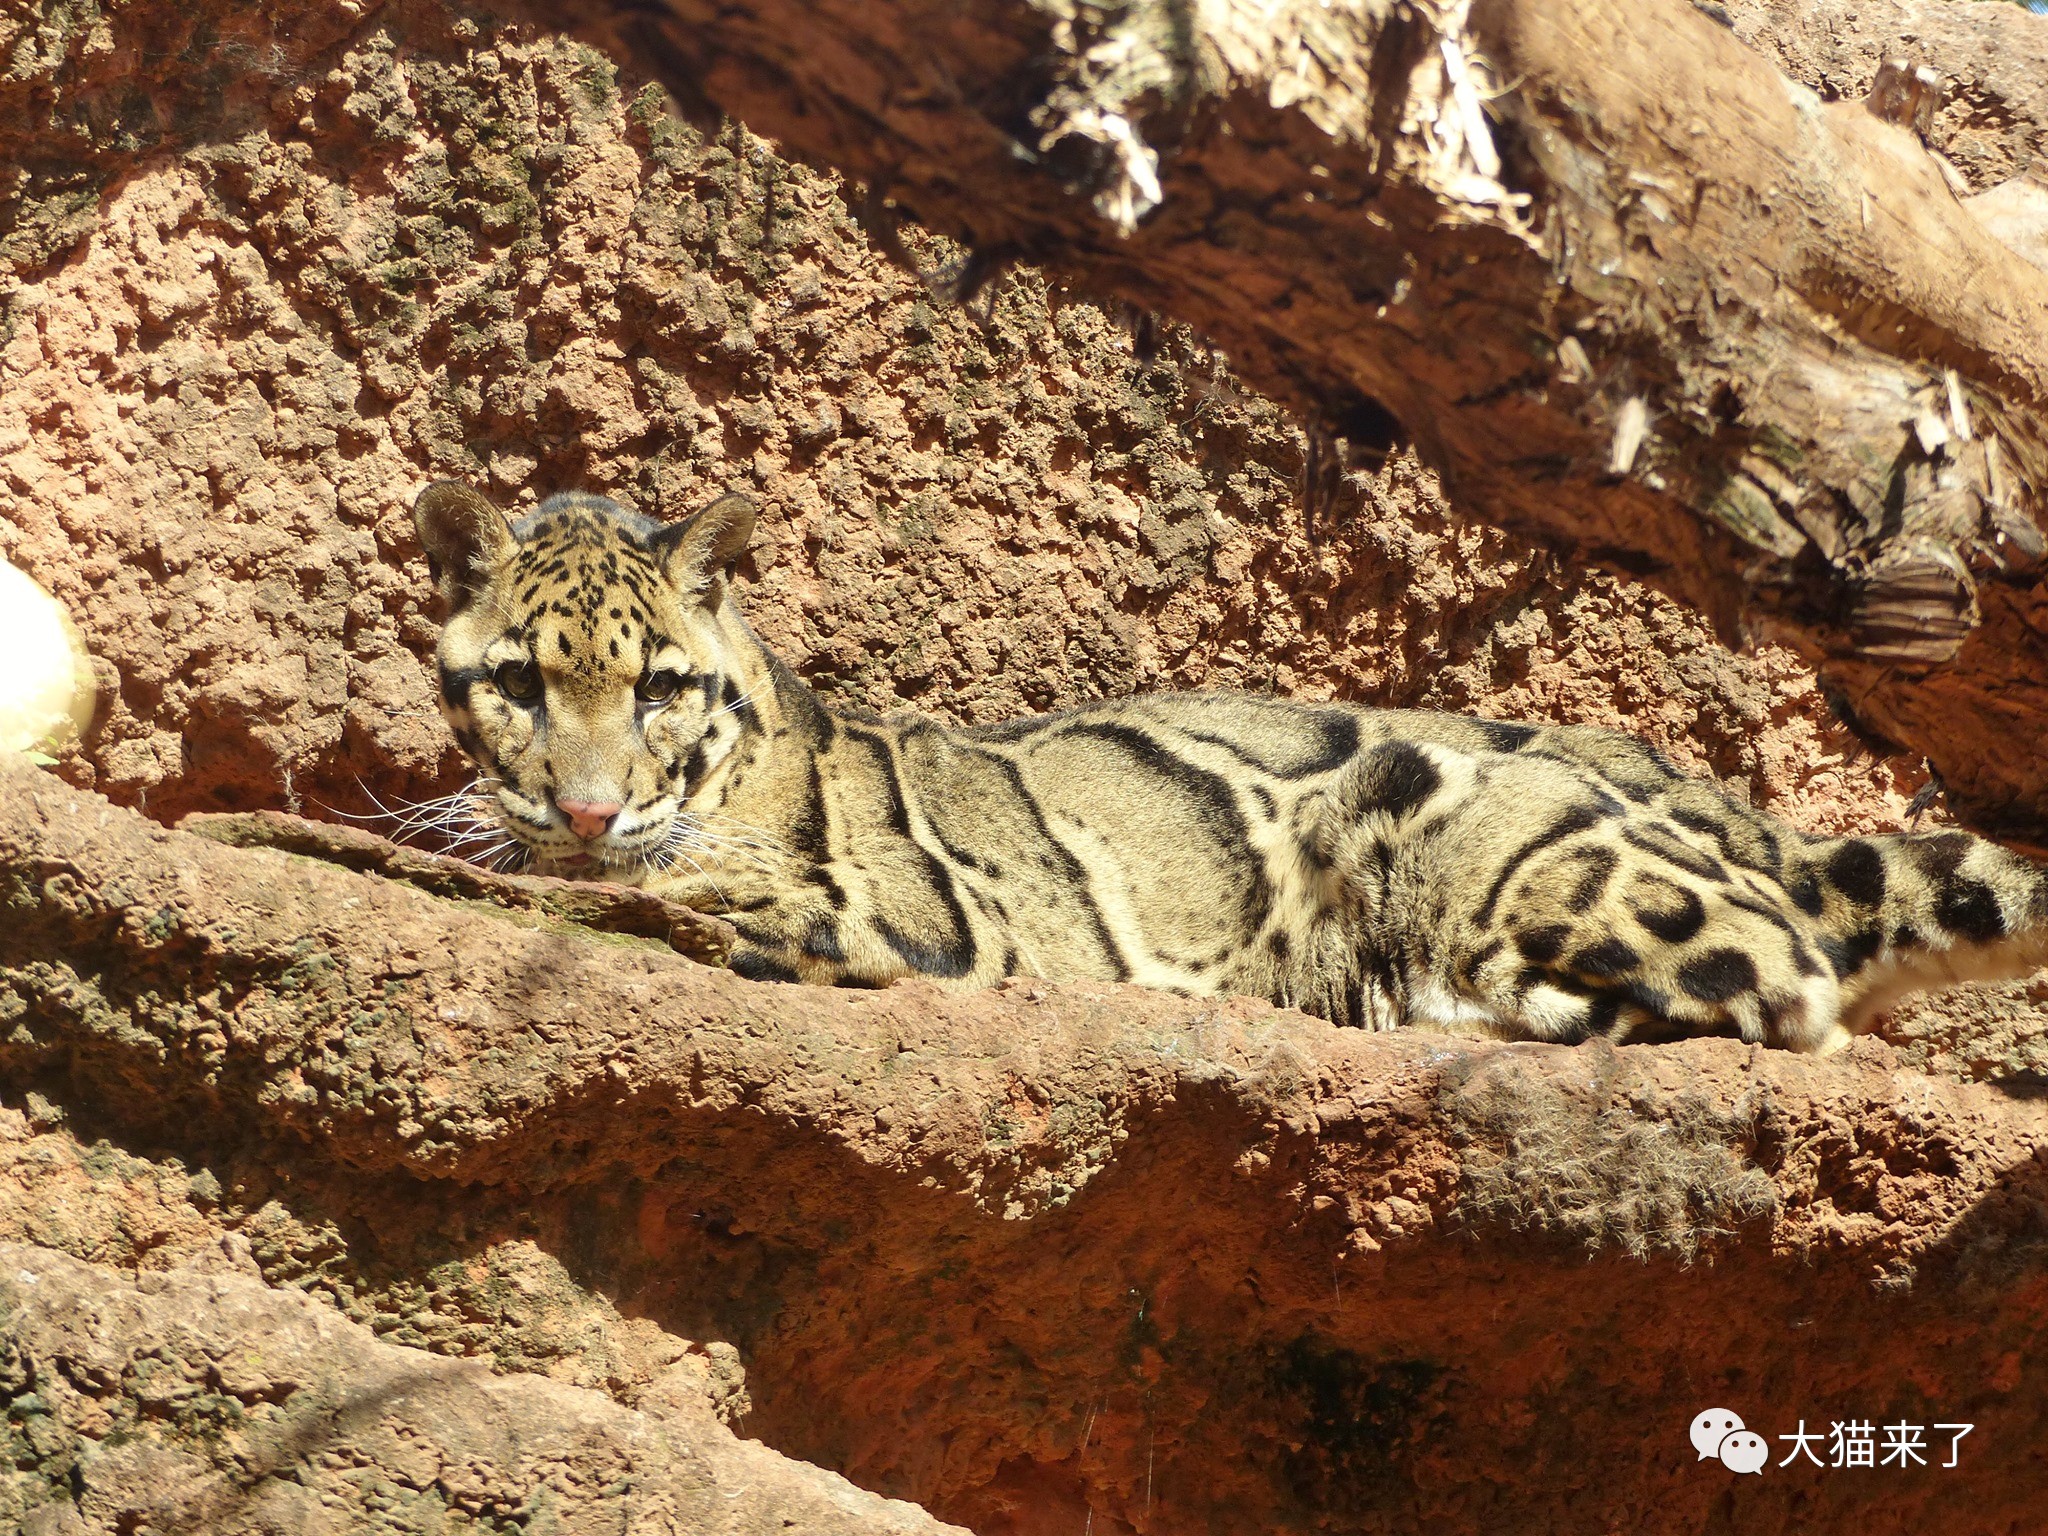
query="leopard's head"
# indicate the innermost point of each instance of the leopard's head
(587, 667)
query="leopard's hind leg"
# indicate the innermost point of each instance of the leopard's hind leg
(1663, 954)
(1523, 892)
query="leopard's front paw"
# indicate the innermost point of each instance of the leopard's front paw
(724, 893)
(759, 962)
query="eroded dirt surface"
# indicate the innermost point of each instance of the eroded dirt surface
(1994, 119)
(209, 1401)
(267, 271)
(1035, 1256)
(1045, 1260)
(332, 252)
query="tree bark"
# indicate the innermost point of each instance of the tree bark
(1632, 292)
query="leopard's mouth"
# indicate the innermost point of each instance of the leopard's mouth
(609, 861)
(537, 843)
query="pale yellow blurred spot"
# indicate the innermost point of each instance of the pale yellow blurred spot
(46, 683)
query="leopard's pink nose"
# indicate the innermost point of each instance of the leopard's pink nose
(589, 818)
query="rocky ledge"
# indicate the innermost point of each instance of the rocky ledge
(523, 1212)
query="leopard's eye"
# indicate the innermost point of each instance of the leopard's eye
(658, 687)
(518, 681)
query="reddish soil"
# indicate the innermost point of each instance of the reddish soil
(1043, 1260)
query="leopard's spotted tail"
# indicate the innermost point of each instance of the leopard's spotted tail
(1916, 912)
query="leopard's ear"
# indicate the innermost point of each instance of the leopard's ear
(465, 538)
(698, 554)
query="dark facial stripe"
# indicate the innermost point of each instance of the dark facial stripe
(693, 765)
(456, 683)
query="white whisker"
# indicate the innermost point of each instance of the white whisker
(463, 822)
(712, 843)
(767, 839)
(669, 852)
(754, 859)
(448, 814)
(739, 703)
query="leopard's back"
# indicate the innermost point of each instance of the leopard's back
(1380, 867)
(1373, 866)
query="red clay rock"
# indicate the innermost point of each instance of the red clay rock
(209, 1401)
(402, 245)
(273, 278)
(1048, 1260)
(1994, 116)
(1044, 1255)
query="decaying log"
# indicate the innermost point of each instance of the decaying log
(1631, 291)
(2017, 212)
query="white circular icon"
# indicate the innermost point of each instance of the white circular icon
(1744, 1451)
(1710, 1428)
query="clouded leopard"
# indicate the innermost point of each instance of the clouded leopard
(1376, 867)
